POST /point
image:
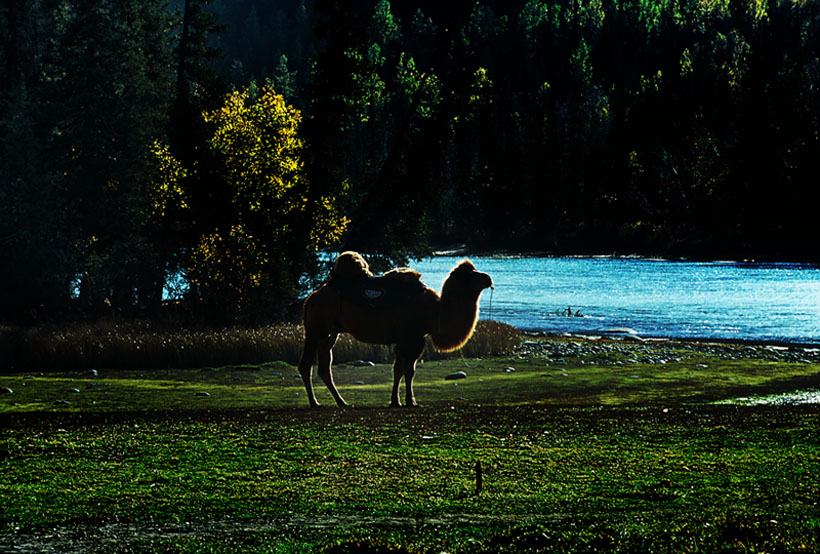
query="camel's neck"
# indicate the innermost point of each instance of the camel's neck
(458, 313)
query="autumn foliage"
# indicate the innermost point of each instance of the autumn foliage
(254, 217)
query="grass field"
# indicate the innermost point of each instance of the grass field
(575, 455)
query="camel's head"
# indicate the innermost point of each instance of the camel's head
(459, 306)
(466, 277)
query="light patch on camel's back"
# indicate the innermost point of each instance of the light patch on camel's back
(404, 274)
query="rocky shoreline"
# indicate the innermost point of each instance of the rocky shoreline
(630, 348)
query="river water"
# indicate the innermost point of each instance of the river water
(654, 298)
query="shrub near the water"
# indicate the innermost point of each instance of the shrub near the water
(141, 346)
(492, 338)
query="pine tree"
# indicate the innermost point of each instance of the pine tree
(36, 232)
(197, 85)
(110, 88)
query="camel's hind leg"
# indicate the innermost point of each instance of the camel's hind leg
(325, 352)
(306, 367)
(398, 372)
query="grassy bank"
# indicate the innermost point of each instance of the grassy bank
(576, 455)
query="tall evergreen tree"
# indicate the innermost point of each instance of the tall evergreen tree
(36, 231)
(197, 85)
(109, 91)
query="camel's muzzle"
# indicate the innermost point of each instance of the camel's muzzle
(488, 283)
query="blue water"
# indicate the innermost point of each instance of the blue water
(655, 298)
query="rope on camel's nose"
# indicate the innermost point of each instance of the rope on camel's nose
(463, 359)
(490, 312)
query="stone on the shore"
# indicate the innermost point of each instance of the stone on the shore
(620, 331)
(455, 376)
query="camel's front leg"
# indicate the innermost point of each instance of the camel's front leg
(406, 368)
(325, 351)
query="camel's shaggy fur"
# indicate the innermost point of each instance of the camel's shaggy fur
(449, 319)
(350, 265)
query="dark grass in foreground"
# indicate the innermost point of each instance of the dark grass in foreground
(674, 481)
(581, 456)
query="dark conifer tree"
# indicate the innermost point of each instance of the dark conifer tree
(36, 231)
(109, 88)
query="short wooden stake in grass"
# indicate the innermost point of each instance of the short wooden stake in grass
(479, 478)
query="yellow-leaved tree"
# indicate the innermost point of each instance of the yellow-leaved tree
(254, 224)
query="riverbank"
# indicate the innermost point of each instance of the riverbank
(602, 245)
(661, 351)
(595, 251)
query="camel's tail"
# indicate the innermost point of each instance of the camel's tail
(305, 308)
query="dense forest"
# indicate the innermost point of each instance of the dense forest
(208, 151)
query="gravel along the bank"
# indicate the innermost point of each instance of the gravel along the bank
(622, 351)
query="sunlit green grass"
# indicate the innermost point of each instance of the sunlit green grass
(489, 382)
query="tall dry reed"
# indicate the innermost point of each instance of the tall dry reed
(114, 345)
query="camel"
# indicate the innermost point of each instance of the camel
(395, 309)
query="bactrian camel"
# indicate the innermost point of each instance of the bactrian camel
(395, 309)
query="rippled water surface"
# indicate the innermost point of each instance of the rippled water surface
(655, 298)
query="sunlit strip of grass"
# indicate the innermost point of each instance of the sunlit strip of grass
(489, 382)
